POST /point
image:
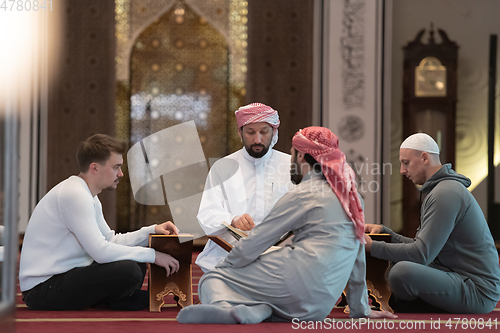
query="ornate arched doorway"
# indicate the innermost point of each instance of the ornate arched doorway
(181, 68)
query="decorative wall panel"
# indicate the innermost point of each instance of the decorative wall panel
(351, 95)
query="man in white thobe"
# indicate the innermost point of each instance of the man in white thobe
(241, 188)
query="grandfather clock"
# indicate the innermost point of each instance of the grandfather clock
(429, 106)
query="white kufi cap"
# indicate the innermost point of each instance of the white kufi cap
(422, 142)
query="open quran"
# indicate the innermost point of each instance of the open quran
(238, 234)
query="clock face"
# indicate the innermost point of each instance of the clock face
(430, 78)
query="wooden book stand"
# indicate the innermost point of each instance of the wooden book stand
(377, 286)
(375, 275)
(180, 283)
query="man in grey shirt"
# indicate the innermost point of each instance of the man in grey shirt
(452, 263)
(301, 281)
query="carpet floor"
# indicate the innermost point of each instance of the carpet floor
(100, 321)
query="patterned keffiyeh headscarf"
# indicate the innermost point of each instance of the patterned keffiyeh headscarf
(259, 113)
(323, 146)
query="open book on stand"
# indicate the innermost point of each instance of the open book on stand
(238, 234)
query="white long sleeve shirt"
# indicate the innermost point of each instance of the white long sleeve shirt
(239, 184)
(67, 229)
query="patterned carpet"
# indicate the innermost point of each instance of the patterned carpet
(98, 320)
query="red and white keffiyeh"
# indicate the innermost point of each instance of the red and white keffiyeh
(258, 113)
(323, 146)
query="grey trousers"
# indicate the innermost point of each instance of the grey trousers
(212, 292)
(448, 291)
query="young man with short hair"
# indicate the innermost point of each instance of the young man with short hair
(70, 258)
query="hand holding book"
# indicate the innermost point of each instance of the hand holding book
(236, 233)
(243, 222)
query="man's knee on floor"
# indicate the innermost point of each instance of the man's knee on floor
(128, 270)
(400, 275)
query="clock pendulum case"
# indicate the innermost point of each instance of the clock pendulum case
(429, 106)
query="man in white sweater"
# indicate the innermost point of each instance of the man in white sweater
(70, 258)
